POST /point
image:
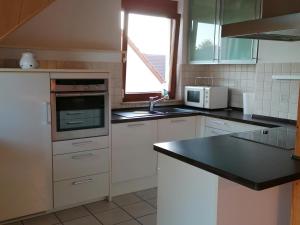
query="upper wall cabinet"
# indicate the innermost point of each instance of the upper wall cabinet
(205, 43)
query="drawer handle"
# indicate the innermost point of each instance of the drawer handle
(82, 181)
(74, 122)
(178, 121)
(136, 125)
(82, 156)
(81, 143)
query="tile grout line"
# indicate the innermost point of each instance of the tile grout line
(144, 200)
(58, 218)
(128, 214)
(90, 212)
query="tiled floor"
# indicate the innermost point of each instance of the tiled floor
(131, 209)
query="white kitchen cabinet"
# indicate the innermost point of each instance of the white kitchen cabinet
(176, 129)
(133, 156)
(25, 144)
(215, 127)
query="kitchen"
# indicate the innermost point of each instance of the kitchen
(71, 169)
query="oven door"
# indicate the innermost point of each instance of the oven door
(79, 115)
(194, 96)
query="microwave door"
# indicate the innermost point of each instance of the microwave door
(195, 97)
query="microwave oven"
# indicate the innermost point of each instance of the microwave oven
(206, 97)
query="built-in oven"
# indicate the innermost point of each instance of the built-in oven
(79, 108)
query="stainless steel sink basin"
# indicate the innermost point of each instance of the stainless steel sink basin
(172, 110)
(156, 112)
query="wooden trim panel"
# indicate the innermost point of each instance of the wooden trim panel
(14, 13)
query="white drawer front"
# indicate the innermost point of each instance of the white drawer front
(229, 125)
(80, 190)
(62, 147)
(80, 164)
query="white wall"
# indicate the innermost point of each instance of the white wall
(72, 24)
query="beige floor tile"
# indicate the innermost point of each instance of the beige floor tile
(88, 220)
(152, 202)
(139, 209)
(130, 222)
(101, 206)
(126, 199)
(113, 216)
(49, 219)
(147, 194)
(71, 214)
(148, 220)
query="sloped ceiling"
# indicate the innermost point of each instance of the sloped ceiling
(71, 24)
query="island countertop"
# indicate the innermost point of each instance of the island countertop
(254, 165)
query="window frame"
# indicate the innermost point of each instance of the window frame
(163, 8)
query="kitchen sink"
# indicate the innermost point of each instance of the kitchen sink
(168, 111)
(156, 112)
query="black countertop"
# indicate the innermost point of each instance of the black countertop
(250, 164)
(227, 114)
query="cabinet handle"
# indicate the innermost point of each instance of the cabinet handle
(136, 125)
(82, 156)
(47, 113)
(82, 181)
(81, 143)
(75, 122)
(178, 121)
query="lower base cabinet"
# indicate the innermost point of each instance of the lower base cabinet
(133, 156)
(188, 195)
(176, 129)
(83, 189)
(80, 171)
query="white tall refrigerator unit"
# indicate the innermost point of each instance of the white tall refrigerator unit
(25, 144)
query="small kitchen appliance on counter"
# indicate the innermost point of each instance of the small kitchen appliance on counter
(207, 97)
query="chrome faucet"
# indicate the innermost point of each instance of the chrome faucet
(153, 101)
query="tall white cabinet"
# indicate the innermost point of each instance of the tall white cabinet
(25, 144)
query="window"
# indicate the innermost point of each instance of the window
(150, 30)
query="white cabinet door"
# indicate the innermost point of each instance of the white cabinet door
(25, 144)
(133, 156)
(176, 129)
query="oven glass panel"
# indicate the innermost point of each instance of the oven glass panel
(193, 96)
(80, 112)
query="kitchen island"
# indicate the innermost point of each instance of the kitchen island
(224, 180)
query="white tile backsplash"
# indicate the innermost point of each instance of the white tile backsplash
(272, 97)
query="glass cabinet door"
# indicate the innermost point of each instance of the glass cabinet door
(234, 50)
(202, 30)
